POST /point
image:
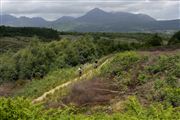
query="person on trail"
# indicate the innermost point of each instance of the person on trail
(80, 71)
(95, 64)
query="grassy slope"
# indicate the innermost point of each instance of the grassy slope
(147, 75)
(36, 87)
(89, 73)
(135, 70)
(141, 74)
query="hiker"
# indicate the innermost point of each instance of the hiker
(80, 71)
(95, 64)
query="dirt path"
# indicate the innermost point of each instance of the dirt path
(86, 75)
(90, 73)
(6, 89)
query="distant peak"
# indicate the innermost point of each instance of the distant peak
(96, 10)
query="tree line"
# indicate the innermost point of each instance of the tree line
(44, 33)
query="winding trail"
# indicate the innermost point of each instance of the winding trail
(86, 75)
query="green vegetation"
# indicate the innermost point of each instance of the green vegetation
(19, 108)
(13, 39)
(38, 58)
(134, 84)
(155, 41)
(38, 87)
(175, 39)
(132, 70)
(22, 109)
(13, 44)
(43, 33)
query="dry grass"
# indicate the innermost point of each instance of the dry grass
(95, 91)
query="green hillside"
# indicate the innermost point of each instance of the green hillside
(133, 86)
(137, 77)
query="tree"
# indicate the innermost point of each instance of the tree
(155, 40)
(175, 39)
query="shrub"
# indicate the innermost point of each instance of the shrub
(7, 68)
(23, 109)
(142, 78)
(19, 109)
(171, 96)
(155, 40)
(175, 39)
(156, 111)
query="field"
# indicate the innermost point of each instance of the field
(137, 77)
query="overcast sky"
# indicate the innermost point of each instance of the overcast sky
(53, 9)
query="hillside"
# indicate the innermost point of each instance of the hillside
(137, 76)
(131, 85)
(120, 76)
(97, 20)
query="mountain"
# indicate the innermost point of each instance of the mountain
(99, 16)
(23, 21)
(95, 16)
(97, 20)
(8, 20)
(64, 19)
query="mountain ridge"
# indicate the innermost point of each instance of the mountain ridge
(97, 20)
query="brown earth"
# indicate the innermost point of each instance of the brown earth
(92, 92)
(9, 88)
(6, 89)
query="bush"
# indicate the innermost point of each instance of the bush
(34, 61)
(7, 68)
(175, 39)
(122, 67)
(155, 40)
(171, 96)
(19, 109)
(156, 111)
(23, 109)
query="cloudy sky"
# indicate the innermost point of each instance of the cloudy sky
(53, 9)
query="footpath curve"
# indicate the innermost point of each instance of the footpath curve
(52, 91)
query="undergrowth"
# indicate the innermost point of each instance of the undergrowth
(23, 109)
